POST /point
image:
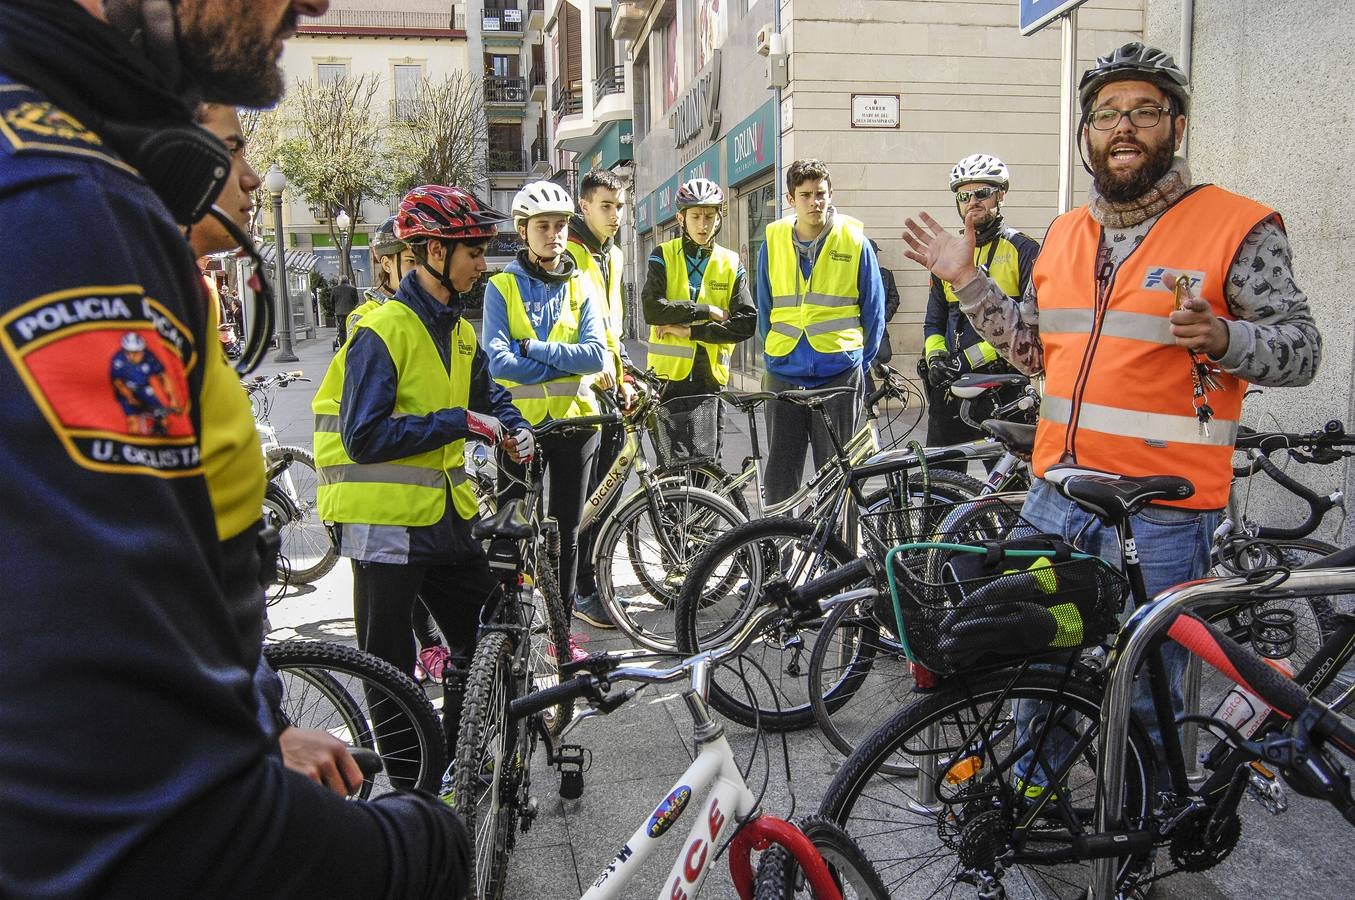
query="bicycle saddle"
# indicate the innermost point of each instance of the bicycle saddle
(976, 384)
(748, 400)
(1115, 497)
(815, 397)
(1016, 437)
(510, 522)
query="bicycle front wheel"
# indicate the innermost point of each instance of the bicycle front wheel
(489, 766)
(779, 876)
(969, 818)
(724, 588)
(364, 702)
(308, 550)
(549, 630)
(646, 552)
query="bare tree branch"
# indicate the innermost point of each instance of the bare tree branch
(440, 135)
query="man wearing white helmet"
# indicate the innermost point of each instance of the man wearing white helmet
(548, 346)
(951, 345)
(696, 299)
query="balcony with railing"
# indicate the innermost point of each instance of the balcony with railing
(505, 159)
(506, 90)
(505, 20)
(536, 14)
(566, 101)
(611, 80)
(538, 153)
(385, 22)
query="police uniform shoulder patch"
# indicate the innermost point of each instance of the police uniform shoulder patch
(30, 123)
(108, 367)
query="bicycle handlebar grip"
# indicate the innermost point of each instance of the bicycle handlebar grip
(368, 760)
(804, 598)
(1239, 664)
(544, 699)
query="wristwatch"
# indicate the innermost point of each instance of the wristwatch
(522, 346)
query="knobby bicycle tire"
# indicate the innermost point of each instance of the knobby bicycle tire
(779, 876)
(393, 717)
(487, 766)
(549, 643)
(960, 806)
(639, 603)
(308, 551)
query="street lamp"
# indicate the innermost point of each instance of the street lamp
(343, 222)
(275, 183)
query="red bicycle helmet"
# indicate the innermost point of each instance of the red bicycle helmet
(447, 213)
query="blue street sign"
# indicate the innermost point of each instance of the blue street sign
(1036, 14)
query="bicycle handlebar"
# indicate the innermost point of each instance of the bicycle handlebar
(1318, 505)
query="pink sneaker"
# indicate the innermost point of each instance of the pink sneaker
(432, 662)
(576, 652)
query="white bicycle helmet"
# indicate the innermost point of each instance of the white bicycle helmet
(539, 198)
(132, 342)
(980, 167)
(699, 192)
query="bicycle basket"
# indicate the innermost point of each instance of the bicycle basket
(967, 607)
(686, 431)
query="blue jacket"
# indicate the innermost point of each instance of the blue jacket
(372, 435)
(545, 359)
(804, 366)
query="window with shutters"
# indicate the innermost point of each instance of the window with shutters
(568, 88)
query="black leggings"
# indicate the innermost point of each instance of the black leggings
(568, 460)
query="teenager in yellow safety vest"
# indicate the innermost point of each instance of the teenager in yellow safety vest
(951, 346)
(592, 244)
(547, 344)
(698, 306)
(391, 420)
(820, 305)
(1151, 278)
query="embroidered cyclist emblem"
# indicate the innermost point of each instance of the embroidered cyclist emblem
(108, 367)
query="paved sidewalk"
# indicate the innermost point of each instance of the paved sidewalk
(639, 751)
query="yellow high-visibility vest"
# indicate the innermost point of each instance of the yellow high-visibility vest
(607, 293)
(409, 491)
(672, 357)
(558, 398)
(827, 308)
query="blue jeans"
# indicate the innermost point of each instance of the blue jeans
(1173, 547)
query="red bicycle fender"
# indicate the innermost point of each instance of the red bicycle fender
(759, 834)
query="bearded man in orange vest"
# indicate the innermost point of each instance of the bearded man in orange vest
(1151, 267)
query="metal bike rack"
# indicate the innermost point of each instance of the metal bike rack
(1145, 626)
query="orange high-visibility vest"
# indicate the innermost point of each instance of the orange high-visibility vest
(1118, 389)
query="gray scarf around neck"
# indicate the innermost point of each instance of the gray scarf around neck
(1169, 188)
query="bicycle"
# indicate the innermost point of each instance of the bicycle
(522, 645)
(365, 702)
(1001, 798)
(308, 549)
(726, 811)
(726, 582)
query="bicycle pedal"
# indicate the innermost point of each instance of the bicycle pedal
(1264, 788)
(569, 761)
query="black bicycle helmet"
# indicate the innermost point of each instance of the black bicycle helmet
(1136, 62)
(384, 241)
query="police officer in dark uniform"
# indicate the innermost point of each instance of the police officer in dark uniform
(137, 749)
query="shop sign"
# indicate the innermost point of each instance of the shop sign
(875, 110)
(749, 148)
(664, 200)
(698, 109)
(707, 165)
(644, 217)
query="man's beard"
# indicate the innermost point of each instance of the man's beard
(1128, 186)
(227, 60)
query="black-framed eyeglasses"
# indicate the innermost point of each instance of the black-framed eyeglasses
(982, 193)
(1141, 117)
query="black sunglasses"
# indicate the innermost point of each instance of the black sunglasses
(980, 194)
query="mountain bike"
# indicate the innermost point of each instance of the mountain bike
(712, 791)
(289, 505)
(1004, 740)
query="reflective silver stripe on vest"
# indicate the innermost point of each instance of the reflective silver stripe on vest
(528, 391)
(784, 328)
(816, 299)
(831, 326)
(389, 473)
(327, 423)
(1145, 426)
(785, 301)
(1116, 323)
(673, 350)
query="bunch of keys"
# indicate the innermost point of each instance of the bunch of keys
(1203, 373)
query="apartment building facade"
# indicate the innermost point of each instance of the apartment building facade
(399, 41)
